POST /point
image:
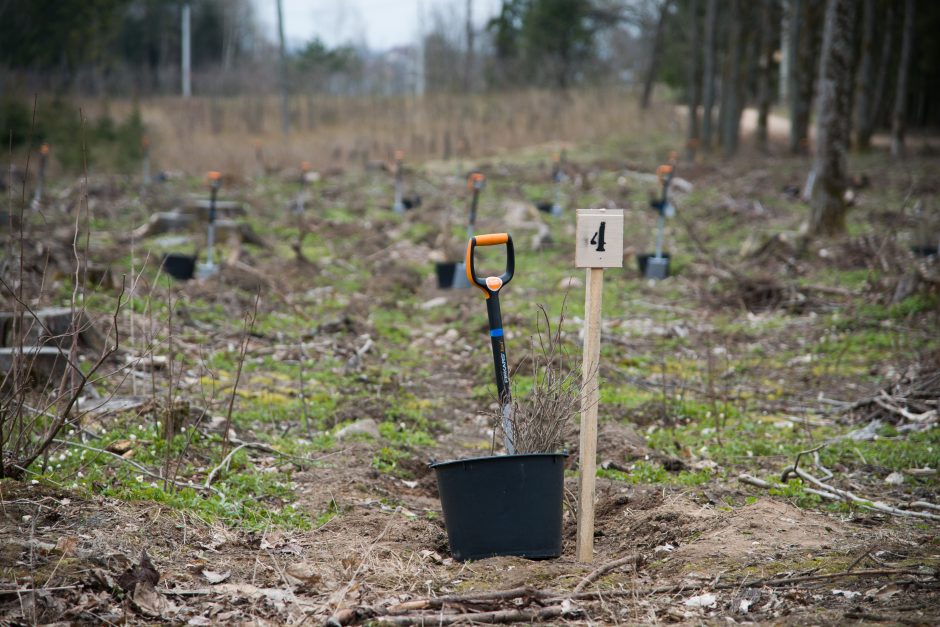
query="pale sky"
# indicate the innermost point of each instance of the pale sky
(381, 24)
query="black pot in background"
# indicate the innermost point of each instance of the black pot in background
(503, 505)
(642, 262)
(451, 275)
(926, 250)
(445, 274)
(178, 266)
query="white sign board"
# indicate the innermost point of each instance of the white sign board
(599, 242)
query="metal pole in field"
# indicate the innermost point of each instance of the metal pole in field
(186, 54)
(285, 87)
(145, 165)
(599, 245)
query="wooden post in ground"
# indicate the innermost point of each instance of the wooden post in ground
(599, 245)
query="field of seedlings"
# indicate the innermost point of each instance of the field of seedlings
(252, 445)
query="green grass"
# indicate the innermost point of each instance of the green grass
(245, 496)
(646, 472)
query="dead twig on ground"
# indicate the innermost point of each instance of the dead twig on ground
(597, 573)
(863, 502)
(490, 618)
(223, 465)
(526, 592)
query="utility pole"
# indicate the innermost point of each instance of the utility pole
(285, 96)
(186, 52)
(468, 62)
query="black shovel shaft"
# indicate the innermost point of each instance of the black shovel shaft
(212, 195)
(497, 339)
(473, 208)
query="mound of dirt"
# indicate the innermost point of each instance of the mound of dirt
(760, 533)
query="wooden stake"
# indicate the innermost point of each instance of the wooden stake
(598, 245)
(589, 399)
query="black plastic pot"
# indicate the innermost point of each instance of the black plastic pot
(178, 266)
(451, 275)
(642, 262)
(503, 505)
(926, 250)
(445, 274)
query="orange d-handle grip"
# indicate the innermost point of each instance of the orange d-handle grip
(491, 285)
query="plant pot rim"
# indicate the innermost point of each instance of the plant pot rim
(436, 464)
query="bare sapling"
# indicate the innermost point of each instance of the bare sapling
(250, 317)
(42, 380)
(541, 418)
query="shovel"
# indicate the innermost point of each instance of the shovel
(657, 265)
(209, 268)
(454, 275)
(558, 177)
(490, 287)
(402, 203)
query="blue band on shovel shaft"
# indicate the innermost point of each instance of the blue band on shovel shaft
(496, 333)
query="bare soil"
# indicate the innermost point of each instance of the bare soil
(715, 551)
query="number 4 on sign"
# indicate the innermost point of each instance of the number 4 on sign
(598, 238)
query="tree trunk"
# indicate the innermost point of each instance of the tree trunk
(731, 80)
(654, 55)
(833, 125)
(866, 78)
(694, 79)
(801, 101)
(468, 60)
(795, 9)
(708, 72)
(881, 84)
(285, 85)
(786, 47)
(904, 70)
(185, 53)
(763, 77)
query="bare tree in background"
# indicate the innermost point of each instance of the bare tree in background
(866, 77)
(708, 71)
(468, 61)
(765, 64)
(731, 82)
(828, 177)
(655, 54)
(803, 37)
(904, 70)
(867, 127)
(285, 85)
(695, 83)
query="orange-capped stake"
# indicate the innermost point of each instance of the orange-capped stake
(663, 171)
(476, 179)
(213, 176)
(305, 166)
(44, 149)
